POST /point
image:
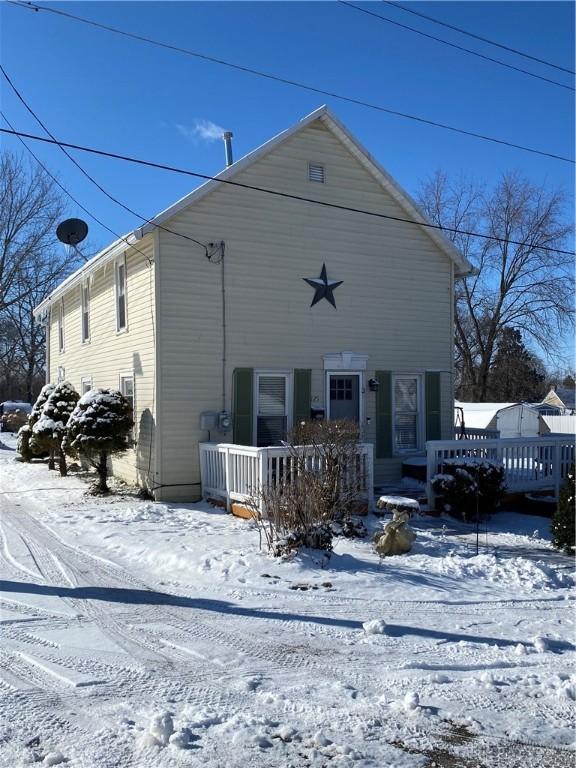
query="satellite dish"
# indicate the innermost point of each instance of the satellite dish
(72, 231)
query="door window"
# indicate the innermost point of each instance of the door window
(345, 397)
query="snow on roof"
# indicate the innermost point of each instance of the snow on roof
(479, 415)
(567, 395)
(330, 121)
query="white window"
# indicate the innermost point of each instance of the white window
(121, 321)
(407, 413)
(85, 296)
(127, 389)
(273, 412)
(61, 375)
(316, 173)
(61, 326)
(85, 384)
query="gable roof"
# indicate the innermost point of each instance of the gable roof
(338, 129)
(565, 395)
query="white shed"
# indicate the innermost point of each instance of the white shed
(510, 419)
(478, 415)
(518, 420)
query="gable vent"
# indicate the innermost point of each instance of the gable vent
(316, 172)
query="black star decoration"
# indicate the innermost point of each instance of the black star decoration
(324, 288)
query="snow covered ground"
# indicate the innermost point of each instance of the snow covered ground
(154, 635)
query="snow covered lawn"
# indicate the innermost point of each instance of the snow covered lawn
(152, 635)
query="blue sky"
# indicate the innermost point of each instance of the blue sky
(95, 88)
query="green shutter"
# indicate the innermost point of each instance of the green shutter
(433, 414)
(384, 415)
(302, 395)
(243, 399)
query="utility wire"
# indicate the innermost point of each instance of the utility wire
(479, 37)
(276, 193)
(454, 45)
(70, 195)
(294, 83)
(91, 178)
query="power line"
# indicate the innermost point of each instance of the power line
(91, 178)
(294, 83)
(479, 37)
(276, 193)
(70, 195)
(454, 45)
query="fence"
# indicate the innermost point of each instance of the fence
(530, 463)
(238, 472)
(474, 433)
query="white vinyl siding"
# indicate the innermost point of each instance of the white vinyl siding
(85, 320)
(394, 305)
(272, 412)
(110, 354)
(407, 415)
(121, 316)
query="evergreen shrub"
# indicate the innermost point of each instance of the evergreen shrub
(466, 482)
(563, 526)
(48, 432)
(25, 433)
(99, 427)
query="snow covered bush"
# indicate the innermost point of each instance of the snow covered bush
(317, 485)
(467, 482)
(48, 431)
(563, 526)
(99, 427)
(14, 420)
(25, 432)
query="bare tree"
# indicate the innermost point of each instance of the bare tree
(32, 263)
(517, 286)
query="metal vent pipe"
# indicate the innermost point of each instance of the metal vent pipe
(227, 136)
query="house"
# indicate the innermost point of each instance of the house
(291, 310)
(563, 398)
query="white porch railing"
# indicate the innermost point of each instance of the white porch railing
(238, 472)
(474, 433)
(530, 463)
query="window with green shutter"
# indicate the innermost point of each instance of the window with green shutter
(271, 408)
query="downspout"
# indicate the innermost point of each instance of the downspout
(48, 330)
(223, 290)
(227, 137)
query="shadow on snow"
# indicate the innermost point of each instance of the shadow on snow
(150, 597)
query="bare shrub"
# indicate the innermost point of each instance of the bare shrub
(319, 484)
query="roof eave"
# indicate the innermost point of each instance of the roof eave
(97, 261)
